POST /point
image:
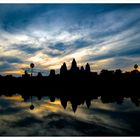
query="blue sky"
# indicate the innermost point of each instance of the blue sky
(107, 36)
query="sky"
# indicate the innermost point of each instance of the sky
(107, 36)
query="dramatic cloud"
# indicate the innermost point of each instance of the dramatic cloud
(11, 59)
(49, 34)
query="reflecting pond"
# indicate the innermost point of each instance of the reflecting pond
(51, 119)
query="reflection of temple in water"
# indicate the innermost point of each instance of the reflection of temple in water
(76, 85)
(81, 100)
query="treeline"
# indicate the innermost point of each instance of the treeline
(75, 81)
(75, 85)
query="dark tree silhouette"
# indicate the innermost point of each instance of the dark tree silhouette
(32, 66)
(39, 74)
(26, 75)
(74, 85)
(135, 66)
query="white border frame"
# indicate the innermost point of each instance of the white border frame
(68, 2)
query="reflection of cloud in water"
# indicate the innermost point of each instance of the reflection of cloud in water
(50, 119)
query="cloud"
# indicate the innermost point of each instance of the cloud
(80, 43)
(8, 62)
(50, 34)
(17, 17)
(58, 46)
(4, 67)
(10, 59)
(27, 48)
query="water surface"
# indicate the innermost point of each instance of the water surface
(51, 119)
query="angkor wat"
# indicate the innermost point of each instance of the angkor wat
(77, 85)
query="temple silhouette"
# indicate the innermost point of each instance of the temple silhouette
(77, 85)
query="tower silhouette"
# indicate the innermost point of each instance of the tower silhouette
(82, 69)
(74, 67)
(87, 69)
(63, 69)
(52, 73)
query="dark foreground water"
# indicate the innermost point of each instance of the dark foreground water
(50, 119)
